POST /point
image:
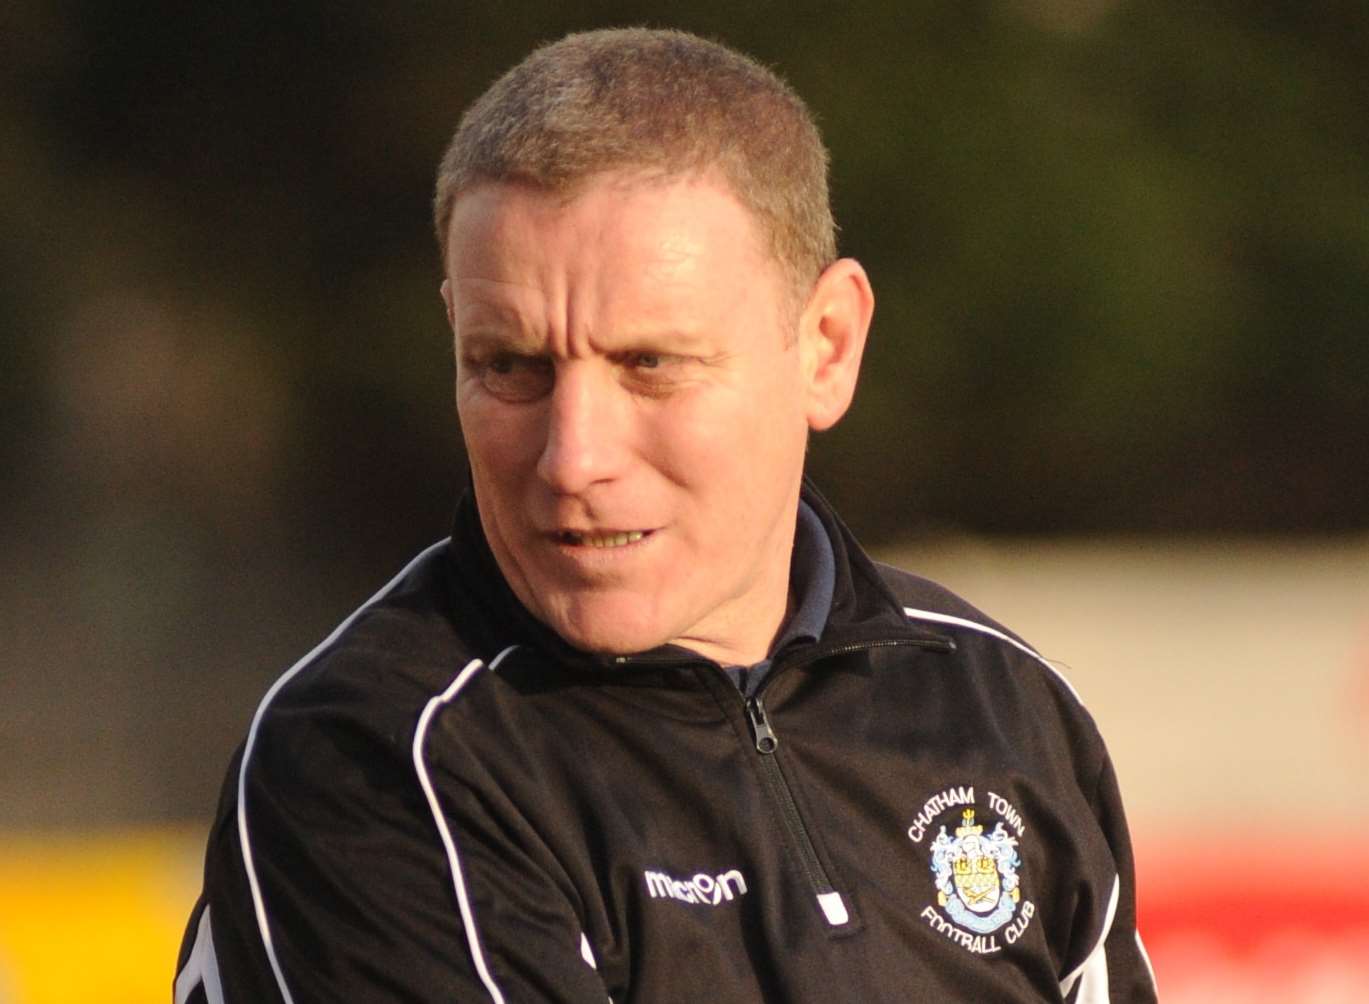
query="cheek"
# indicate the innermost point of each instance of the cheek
(492, 430)
(740, 448)
(497, 440)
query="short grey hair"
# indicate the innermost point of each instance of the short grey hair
(660, 102)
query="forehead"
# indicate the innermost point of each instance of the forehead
(628, 227)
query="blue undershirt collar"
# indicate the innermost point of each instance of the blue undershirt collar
(812, 581)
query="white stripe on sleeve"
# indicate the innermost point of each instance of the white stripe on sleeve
(202, 967)
(244, 837)
(587, 953)
(1092, 974)
(444, 831)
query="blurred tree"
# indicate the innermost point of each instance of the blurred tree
(1120, 251)
(1120, 248)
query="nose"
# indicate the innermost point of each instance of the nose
(585, 434)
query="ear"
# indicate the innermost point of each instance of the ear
(832, 332)
(447, 299)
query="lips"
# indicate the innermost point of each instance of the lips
(600, 538)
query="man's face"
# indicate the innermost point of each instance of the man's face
(633, 407)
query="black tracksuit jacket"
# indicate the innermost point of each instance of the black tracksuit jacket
(444, 802)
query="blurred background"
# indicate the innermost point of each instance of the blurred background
(1115, 395)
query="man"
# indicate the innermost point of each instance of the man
(650, 726)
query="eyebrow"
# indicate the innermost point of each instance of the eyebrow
(491, 324)
(487, 339)
(488, 322)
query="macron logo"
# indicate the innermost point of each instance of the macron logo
(707, 889)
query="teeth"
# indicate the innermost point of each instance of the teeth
(605, 539)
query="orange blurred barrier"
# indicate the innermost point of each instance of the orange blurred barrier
(1240, 915)
(1254, 916)
(94, 918)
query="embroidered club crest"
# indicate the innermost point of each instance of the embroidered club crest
(979, 894)
(976, 874)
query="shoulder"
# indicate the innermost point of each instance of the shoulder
(985, 643)
(326, 826)
(397, 646)
(341, 720)
(1002, 682)
(923, 599)
(329, 747)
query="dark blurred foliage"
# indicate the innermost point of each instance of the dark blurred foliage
(1121, 253)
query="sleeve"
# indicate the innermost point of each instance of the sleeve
(1117, 970)
(332, 878)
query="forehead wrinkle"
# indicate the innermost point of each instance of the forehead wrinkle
(583, 290)
(661, 300)
(489, 280)
(494, 320)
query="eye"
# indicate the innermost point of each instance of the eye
(654, 373)
(516, 378)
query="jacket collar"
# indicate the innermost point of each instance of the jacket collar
(864, 610)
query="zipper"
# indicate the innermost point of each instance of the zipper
(936, 643)
(766, 740)
(767, 744)
(829, 900)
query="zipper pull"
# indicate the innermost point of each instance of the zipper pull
(766, 740)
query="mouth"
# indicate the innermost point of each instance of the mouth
(600, 538)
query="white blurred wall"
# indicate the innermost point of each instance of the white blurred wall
(1231, 680)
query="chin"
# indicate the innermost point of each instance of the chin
(608, 629)
(612, 642)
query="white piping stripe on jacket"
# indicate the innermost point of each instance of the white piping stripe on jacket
(586, 952)
(202, 967)
(1145, 957)
(444, 831)
(928, 615)
(1094, 969)
(243, 838)
(1093, 986)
